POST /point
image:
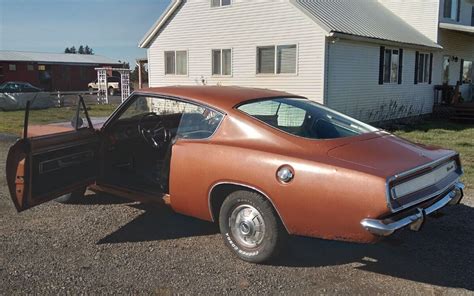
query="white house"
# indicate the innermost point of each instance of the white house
(371, 59)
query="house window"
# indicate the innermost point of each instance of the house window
(176, 62)
(280, 59)
(219, 3)
(452, 9)
(391, 66)
(467, 73)
(222, 62)
(12, 67)
(423, 68)
(446, 61)
(30, 67)
(41, 67)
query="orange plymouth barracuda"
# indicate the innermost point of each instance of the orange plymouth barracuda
(262, 164)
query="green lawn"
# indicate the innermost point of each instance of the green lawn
(11, 122)
(447, 134)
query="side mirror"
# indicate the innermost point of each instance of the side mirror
(77, 122)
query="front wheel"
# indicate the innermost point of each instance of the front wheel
(250, 227)
(111, 91)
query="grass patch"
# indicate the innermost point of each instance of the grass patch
(446, 134)
(11, 122)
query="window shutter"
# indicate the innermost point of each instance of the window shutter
(381, 63)
(400, 66)
(461, 72)
(417, 58)
(431, 68)
(447, 8)
(458, 13)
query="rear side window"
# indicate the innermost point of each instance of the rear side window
(304, 118)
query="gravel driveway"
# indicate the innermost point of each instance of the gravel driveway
(109, 245)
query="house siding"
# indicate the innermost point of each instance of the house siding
(420, 14)
(198, 28)
(352, 87)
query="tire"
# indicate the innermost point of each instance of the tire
(244, 212)
(73, 197)
(91, 90)
(111, 91)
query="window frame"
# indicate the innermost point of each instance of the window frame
(220, 4)
(390, 66)
(221, 50)
(12, 67)
(175, 62)
(115, 116)
(275, 60)
(425, 72)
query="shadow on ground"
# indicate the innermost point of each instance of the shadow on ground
(441, 254)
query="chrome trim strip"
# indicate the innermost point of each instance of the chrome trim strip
(246, 186)
(409, 172)
(378, 227)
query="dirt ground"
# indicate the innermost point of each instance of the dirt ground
(110, 246)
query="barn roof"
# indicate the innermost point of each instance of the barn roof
(56, 58)
(368, 20)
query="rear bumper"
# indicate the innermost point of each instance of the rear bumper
(415, 221)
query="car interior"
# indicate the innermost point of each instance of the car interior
(138, 146)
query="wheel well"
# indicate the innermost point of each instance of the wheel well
(221, 191)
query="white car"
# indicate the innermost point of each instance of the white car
(113, 85)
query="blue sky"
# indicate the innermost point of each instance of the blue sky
(112, 28)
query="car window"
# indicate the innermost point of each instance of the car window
(194, 121)
(304, 118)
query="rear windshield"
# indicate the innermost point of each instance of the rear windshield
(305, 118)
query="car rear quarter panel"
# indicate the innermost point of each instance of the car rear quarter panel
(323, 200)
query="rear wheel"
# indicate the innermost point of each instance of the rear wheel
(73, 197)
(111, 91)
(91, 90)
(250, 227)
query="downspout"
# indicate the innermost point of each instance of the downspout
(327, 69)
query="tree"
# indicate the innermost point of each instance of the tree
(88, 50)
(134, 74)
(82, 50)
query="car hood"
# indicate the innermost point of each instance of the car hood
(387, 154)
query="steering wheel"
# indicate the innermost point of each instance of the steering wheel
(157, 134)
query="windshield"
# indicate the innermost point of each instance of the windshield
(305, 118)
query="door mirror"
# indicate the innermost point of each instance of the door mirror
(77, 122)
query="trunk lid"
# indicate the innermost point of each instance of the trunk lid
(387, 154)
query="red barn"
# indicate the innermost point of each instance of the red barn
(52, 71)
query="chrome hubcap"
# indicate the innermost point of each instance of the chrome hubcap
(247, 226)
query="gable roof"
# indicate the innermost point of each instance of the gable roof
(59, 58)
(366, 19)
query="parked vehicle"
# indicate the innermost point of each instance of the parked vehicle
(262, 164)
(18, 87)
(113, 85)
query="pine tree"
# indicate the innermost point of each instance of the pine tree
(72, 49)
(67, 50)
(80, 50)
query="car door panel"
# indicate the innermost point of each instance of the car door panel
(43, 168)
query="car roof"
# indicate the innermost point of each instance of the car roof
(224, 98)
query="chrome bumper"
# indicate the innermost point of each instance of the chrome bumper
(415, 221)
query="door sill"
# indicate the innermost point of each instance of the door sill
(161, 198)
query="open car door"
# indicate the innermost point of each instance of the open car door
(42, 168)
